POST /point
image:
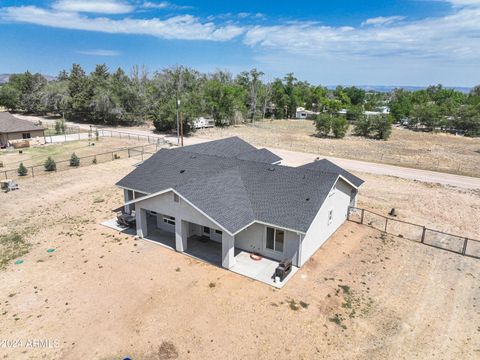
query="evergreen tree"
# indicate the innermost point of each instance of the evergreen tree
(50, 164)
(74, 160)
(22, 170)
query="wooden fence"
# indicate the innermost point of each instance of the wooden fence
(438, 239)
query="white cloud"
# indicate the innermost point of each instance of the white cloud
(164, 5)
(382, 20)
(184, 27)
(453, 36)
(93, 6)
(99, 52)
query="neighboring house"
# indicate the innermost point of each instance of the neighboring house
(229, 192)
(13, 129)
(302, 113)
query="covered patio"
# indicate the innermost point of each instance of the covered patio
(205, 249)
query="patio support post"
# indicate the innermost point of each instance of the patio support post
(127, 199)
(228, 250)
(181, 235)
(141, 218)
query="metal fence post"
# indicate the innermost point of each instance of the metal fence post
(423, 234)
(386, 223)
(33, 174)
(465, 243)
(363, 214)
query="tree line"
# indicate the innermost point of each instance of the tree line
(118, 98)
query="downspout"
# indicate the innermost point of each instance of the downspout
(299, 256)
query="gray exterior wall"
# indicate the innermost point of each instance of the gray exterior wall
(320, 229)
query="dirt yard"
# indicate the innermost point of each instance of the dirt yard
(438, 152)
(101, 295)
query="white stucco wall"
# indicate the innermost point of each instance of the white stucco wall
(253, 239)
(165, 205)
(320, 229)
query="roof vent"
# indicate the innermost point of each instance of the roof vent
(271, 169)
(307, 199)
(193, 157)
(182, 171)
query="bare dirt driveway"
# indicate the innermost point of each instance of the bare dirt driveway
(103, 295)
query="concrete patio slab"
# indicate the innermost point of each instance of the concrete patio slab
(211, 252)
(112, 224)
(260, 270)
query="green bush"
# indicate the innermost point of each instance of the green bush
(382, 127)
(323, 123)
(50, 164)
(339, 126)
(22, 170)
(363, 126)
(74, 160)
(60, 126)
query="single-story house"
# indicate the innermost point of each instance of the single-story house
(302, 113)
(229, 192)
(13, 129)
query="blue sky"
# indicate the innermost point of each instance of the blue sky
(389, 42)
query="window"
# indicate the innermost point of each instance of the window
(219, 232)
(169, 220)
(26, 135)
(275, 239)
(330, 216)
(176, 198)
(206, 230)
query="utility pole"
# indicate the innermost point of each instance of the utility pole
(177, 102)
(181, 127)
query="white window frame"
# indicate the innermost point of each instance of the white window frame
(170, 220)
(274, 240)
(330, 216)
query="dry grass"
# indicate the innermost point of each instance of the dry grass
(438, 152)
(104, 295)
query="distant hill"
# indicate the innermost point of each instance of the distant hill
(4, 78)
(385, 88)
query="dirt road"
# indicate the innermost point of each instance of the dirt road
(294, 158)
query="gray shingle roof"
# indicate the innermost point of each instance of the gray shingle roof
(260, 155)
(12, 124)
(236, 192)
(229, 147)
(327, 166)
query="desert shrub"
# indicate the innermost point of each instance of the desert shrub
(50, 164)
(22, 170)
(323, 123)
(74, 160)
(94, 161)
(339, 126)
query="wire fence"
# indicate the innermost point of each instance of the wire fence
(74, 132)
(142, 152)
(438, 239)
